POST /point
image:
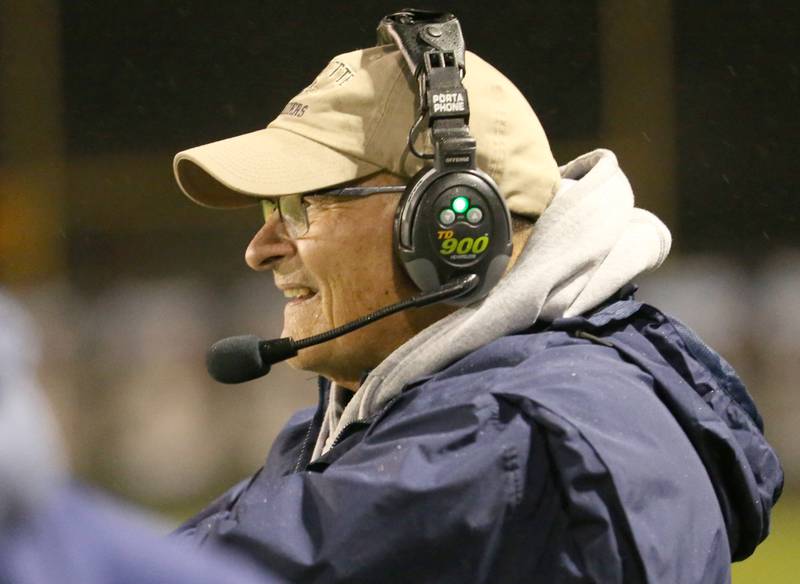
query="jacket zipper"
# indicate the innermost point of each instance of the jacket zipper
(341, 435)
(307, 437)
(343, 432)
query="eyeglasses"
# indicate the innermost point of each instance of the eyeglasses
(292, 209)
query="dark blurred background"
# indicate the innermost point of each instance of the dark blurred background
(130, 282)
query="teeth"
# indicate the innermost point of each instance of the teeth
(297, 292)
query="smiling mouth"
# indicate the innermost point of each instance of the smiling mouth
(298, 295)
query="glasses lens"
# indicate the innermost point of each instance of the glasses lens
(268, 207)
(294, 215)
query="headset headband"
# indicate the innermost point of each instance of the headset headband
(433, 47)
(416, 32)
(452, 221)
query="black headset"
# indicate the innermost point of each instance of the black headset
(452, 220)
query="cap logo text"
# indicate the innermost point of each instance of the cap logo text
(340, 73)
(448, 102)
(294, 109)
(335, 72)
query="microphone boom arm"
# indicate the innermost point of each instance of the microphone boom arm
(239, 359)
(450, 290)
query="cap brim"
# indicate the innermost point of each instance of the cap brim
(269, 162)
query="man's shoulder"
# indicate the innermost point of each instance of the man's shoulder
(553, 359)
(547, 378)
(577, 388)
(610, 437)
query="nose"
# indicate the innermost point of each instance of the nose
(269, 246)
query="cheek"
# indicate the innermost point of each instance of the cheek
(359, 276)
(365, 278)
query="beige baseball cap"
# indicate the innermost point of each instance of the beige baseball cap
(353, 120)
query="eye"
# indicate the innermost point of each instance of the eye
(314, 201)
(313, 205)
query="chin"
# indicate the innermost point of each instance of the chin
(348, 356)
(312, 359)
(296, 363)
(342, 364)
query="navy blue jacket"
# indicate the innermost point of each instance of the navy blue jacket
(614, 447)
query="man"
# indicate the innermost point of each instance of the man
(555, 430)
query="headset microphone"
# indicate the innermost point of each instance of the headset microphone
(244, 358)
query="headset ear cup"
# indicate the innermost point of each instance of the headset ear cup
(406, 210)
(436, 240)
(415, 260)
(452, 220)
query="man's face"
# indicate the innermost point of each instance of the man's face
(343, 268)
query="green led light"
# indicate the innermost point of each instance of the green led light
(460, 204)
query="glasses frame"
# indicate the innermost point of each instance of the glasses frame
(293, 214)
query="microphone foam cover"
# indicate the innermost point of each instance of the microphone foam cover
(236, 359)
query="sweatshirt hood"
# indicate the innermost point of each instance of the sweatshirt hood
(31, 461)
(589, 242)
